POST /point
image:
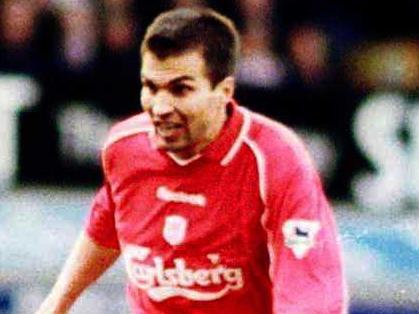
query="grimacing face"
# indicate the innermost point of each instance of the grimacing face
(186, 110)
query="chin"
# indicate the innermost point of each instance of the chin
(173, 147)
(180, 145)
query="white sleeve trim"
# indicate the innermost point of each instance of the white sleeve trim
(120, 135)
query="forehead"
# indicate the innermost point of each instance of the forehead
(190, 64)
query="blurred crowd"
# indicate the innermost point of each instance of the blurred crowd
(307, 63)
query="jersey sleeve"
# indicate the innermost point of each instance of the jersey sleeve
(101, 220)
(306, 266)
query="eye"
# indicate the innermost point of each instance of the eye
(149, 87)
(180, 90)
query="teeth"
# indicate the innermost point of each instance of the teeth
(168, 127)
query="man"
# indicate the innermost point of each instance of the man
(214, 209)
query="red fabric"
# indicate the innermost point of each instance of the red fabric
(195, 237)
(101, 226)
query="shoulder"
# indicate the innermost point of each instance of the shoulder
(137, 124)
(274, 140)
(279, 153)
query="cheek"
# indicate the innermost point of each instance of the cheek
(197, 110)
(203, 116)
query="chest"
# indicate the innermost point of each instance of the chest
(202, 208)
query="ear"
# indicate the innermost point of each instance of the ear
(225, 89)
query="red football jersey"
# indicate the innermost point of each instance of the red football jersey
(242, 228)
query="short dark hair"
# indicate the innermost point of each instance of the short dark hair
(177, 31)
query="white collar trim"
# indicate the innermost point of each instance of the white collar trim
(240, 138)
(230, 154)
(183, 162)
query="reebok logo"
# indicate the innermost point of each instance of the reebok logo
(165, 194)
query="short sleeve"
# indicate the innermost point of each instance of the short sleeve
(101, 220)
(305, 253)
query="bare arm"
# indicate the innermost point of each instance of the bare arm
(87, 262)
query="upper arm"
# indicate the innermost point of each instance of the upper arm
(95, 258)
(306, 258)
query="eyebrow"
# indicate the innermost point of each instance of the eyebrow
(171, 82)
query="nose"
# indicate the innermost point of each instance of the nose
(161, 107)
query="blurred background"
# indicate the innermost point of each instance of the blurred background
(344, 74)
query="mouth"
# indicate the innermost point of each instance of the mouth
(169, 130)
